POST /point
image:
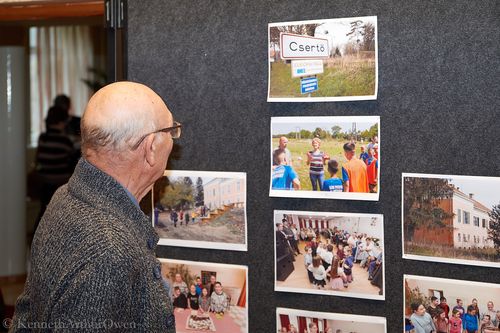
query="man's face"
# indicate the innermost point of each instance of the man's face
(436, 302)
(212, 279)
(283, 143)
(178, 278)
(490, 306)
(218, 288)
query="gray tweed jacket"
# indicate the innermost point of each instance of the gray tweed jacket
(93, 264)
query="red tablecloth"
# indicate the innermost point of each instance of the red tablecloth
(225, 324)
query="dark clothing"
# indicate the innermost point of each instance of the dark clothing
(181, 301)
(210, 288)
(193, 301)
(93, 261)
(55, 161)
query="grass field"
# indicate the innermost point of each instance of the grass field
(488, 254)
(299, 148)
(341, 77)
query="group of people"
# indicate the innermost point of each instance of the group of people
(311, 328)
(439, 318)
(204, 299)
(181, 216)
(329, 263)
(358, 174)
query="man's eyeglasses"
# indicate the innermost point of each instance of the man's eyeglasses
(175, 133)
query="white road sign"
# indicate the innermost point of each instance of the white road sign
(303, 47)
(306, 67)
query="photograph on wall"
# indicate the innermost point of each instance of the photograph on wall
(323, 60)
(299, 321)
(445, 305)
(325, 157)
(451, 219)
(207, 297)
(202, 209)
(340, 254)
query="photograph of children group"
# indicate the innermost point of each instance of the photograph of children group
(325, 157)
(450, 306)
(201, 209)
(207, 296)
(346, 49)
(299, 321)
(330, 253)
(452, 219)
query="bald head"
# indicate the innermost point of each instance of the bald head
(120, 113)
(121, 135)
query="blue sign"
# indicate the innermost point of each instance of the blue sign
(308, 85)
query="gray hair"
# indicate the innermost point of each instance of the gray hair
(118, 135)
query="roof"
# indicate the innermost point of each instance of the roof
(476, 203)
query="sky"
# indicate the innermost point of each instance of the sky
(336, 31)
(486, 191)
(292, 127)
(204, 179)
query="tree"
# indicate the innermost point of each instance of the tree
(188, 181)
(298, 29)
(200, 195)
(421, 203)
(356, 33)
(178, 195)
(494, 228)
(336, 131)
(370, 133)
(368, 34)
(336, 52)
(320, 133)
(305, 134)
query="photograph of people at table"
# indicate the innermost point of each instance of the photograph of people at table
(325, 157)
(450, 306)
(337, 254)
(207, 297)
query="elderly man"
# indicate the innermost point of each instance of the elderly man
(282, 148)
(93, 263)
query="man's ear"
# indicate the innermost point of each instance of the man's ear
(150, 149)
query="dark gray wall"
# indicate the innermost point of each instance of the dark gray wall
(439, 74)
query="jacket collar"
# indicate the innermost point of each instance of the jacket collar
(100, 190)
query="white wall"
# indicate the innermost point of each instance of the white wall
(355, 327)
(463, 289)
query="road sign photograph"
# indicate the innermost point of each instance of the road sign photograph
(323, 60)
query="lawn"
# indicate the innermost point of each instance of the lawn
(299, 148)
(435, 250)
(341, 77)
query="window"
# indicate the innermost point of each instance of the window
(213, 192)
(459, 215)
(476, 221)
(484, 223)
(459, 237)
(238, 185)
(59, 58)
(468, 238)
(466, 217)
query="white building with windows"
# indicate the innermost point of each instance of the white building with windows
(224, 191)
(471, 221)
